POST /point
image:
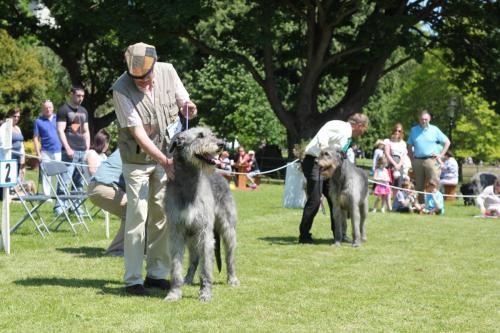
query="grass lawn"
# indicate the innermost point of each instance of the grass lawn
(415, 274)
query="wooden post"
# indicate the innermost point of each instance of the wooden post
(242, 177)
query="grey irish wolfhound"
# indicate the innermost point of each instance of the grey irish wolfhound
(349, 193)
(197, 202)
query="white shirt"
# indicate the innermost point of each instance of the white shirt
(334, 132)
(128, 116)
(397, 148)
(488, 199)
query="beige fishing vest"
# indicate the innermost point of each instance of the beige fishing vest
(156, 115)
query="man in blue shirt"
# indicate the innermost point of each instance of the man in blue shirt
(46, 140)
(426, 147)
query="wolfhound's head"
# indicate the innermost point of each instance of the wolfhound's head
(197, 146)
(329, 160)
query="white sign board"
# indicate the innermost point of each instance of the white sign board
(5, 155)
(8, 173)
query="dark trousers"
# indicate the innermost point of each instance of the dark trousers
(315, 187)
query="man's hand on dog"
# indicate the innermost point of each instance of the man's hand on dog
(168, 165)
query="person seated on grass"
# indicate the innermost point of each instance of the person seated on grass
(434, 200)
(404, 201)
(489, 200)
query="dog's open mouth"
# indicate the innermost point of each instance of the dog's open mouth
(207, 158)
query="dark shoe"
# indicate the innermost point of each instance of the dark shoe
(306, 239)
(346, 239)
(137, 290)
(156, 283)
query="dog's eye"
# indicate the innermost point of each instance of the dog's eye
(200, 135)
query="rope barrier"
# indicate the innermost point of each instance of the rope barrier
(256, 173)
(263, 173)
(48, 159)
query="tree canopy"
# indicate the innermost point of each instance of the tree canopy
(295, 50)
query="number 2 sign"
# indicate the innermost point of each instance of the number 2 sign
(8, 173)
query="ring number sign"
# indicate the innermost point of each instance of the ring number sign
(8, 173)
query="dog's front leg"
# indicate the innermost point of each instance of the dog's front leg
(176, 241)
(194, 259)
(229, 237)
(362, 223)
(206, 247)
(355, 217)
(340, 217)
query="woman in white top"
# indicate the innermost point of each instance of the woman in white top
(396, 152)
(97, 153)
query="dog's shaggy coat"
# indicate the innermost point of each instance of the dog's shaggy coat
(349, 193)
(197, 201)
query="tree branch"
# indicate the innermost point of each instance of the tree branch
(237, 57)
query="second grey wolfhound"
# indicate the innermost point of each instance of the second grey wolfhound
(349, 193)
(197, 201)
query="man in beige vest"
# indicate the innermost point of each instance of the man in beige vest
(147, 99)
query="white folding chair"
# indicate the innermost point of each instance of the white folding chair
(69, 202)
(31, 204)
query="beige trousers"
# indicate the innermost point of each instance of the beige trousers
(114, 200)
(145, 194)
(423, 171)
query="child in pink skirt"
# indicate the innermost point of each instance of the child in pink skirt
(382, 189)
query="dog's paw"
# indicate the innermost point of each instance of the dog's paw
(173, 296)
(233, 281)
(188, 280)
(205, 296)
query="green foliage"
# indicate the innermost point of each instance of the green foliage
(232, 103)
(477, 132)
(430, 87)
(28, 75)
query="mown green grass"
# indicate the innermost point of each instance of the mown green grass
(415, 274)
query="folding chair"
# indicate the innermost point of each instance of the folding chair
(69, 203)
(94, 210)
(31, 204)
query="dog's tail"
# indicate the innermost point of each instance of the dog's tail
(218, 258)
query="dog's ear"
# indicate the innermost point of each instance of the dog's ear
(177, 143)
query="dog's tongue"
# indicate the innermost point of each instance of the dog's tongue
(210, 158)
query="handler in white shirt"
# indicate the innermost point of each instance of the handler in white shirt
(334, 132)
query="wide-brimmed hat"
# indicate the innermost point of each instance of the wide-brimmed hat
(140, 59)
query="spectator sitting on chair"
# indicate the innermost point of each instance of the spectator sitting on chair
(107, 191)
(253, 168)
(241, 159)
(224, 163)
(449, 170)
(97, 153)
(46, 141)
(489, 200)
